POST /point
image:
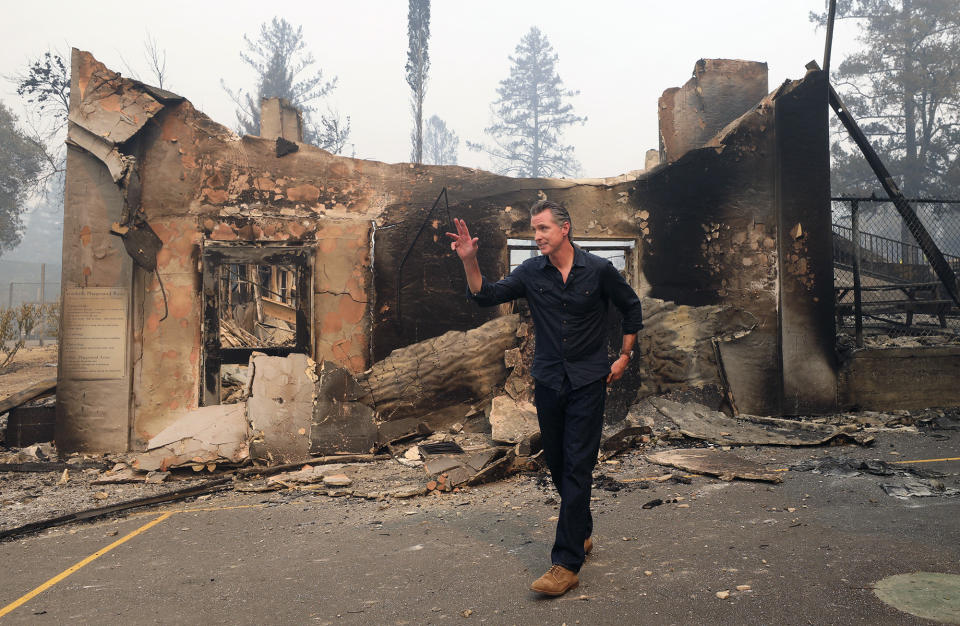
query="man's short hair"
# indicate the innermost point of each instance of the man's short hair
(560, 214)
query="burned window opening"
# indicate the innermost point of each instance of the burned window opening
(256, 299)
(257, 305)
(619, 251)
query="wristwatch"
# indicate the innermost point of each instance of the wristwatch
(628, 354)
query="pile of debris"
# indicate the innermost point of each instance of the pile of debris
(444, 422)
(876, 339)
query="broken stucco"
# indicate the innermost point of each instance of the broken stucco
(708, 229)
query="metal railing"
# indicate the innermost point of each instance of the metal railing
(883, 279)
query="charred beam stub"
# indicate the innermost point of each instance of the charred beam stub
(285, 147)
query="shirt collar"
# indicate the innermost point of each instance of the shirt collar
(579, 258)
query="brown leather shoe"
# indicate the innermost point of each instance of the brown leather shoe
(557, 581)
(587, 545)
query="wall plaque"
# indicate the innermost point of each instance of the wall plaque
(94, 333)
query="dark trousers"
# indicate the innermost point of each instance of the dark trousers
(571, 421)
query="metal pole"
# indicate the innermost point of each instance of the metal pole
(43, 278)
(857, 293)
(829, 43)
(10, 302)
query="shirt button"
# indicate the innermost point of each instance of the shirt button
(564, 338)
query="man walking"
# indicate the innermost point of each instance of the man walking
(568, 291)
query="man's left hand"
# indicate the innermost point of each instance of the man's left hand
(618, 368)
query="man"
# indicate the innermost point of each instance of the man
(567, 290)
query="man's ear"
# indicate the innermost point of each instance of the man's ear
(565, 230)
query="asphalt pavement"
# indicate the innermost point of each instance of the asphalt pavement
(807, 551)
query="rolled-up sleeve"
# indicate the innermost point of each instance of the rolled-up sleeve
(504, 290)
(624, 298)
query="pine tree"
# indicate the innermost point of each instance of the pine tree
(440, 144)
(284, 70)
(530, 115)
(417, 68)
(903, 87)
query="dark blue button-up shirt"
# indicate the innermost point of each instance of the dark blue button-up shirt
(569, 318)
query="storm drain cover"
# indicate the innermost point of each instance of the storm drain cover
(924, 594)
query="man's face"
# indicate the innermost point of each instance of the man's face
(547, 233)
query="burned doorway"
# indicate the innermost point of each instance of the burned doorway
(256, 298)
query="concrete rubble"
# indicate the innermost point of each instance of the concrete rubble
(699, 422)
(280, 407)
(450, 463)
(512, 421)
(720, 463)
(201, 438)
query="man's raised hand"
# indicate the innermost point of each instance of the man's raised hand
(465, 246)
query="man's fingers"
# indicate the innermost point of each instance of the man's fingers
(453, 236)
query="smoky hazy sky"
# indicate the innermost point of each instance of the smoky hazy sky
(620, 55)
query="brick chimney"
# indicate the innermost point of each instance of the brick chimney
(279, 118)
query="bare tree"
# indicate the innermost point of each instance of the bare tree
(45, 88)
(156, 61)
(418, 66)
(334, 129)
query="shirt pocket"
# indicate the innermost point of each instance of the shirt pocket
(545, 291)
(585, 296)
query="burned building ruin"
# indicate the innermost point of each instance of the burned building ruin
(188, 249)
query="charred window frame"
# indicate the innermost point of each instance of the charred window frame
(219, 256)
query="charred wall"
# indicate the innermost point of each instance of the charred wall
(808, 352)
(712, 241)
(708, 230)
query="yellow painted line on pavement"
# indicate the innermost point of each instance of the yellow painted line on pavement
(70, 570)
(952, 458)
(222, 508)
(211, 508)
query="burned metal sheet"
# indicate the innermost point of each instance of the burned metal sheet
(720, 463)
(699, 422)
(900, 481)
(117, 164)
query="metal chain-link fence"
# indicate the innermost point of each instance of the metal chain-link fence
(888, 291)
(16, 293)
